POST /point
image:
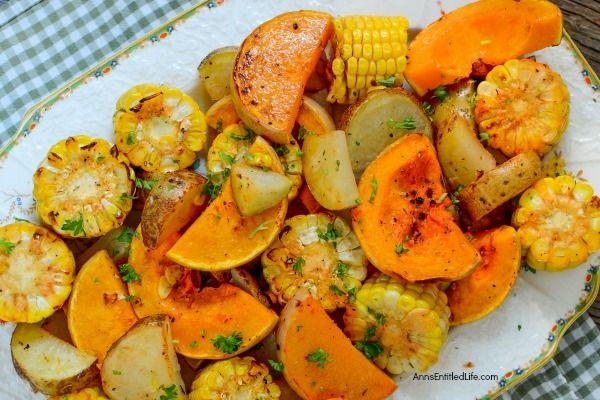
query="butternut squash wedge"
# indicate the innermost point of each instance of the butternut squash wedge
(402, 223)
(99, 312)
(489, 32)
(484, 290)
(272, 68)
(312, 117)
(319, 361)
(221, 238)
(221, 114)
(197, 316)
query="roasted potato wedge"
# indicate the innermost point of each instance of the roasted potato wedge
(215, 71)
(175, 200)
(51, 365)
(143, 364)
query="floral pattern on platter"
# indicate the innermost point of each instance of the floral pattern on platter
(22, 205)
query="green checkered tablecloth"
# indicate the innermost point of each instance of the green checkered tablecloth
(45, 43)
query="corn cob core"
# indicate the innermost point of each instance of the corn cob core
(409, 321)
(522, 105)
(233, 143)
(159, 128)
(317, 251)
(558, 222)
(366, 49)
(84, 187)
(36, 272)
(235, 378)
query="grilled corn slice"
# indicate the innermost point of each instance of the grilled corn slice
(84, 187)
(159, 128)
(317, 251)
(233, 143)
(558, 221)
(237, 378)
(36, 272)
(85, 394)
(401, 326)
(522, 105)
(366, 50)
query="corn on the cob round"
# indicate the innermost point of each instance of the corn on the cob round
(367, 49)
(522, 105)
(84, 187)
(235, 378)
(85, 394)
(401, 326)
(317, 251)
(558, 221)
(159, 128)
(233, 143)
(36, 272)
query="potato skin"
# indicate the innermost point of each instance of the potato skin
(174, 201)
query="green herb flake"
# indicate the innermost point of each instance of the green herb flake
(281, 149)
(146, 184)
(329, 235)
(298, 265)
(374, 187)
(299, 153)
(96, 280)
(276, 366)
(407, 124)
(484, 136)
(228, 344)
(319, 357)
(358, 201)
(247, 137)
(370, 332)
(170, 392)
(441, 93)
(100, 158)
(116, 372)
(193, 344)
(428, 108)
(227, 158)
(341, 270)
(400, 249)
(203, 333)
(20, 219)
(298, 328)
(219, 127)
(262, 227)
(387, 82)
(131, 298)
(352, 295)
(128, 274)
(74, 225)
(519, 327)
(336, 290)
(131, 138)
(371, 350)
(454, 195)
(528, 268)
(379, 317)
(7, 246)
(126, 235)
(337, 165)
(126, 196)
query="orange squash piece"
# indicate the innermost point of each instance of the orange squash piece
(403, 224)
(489, 32)
(272, 68)
(319, 361)
(484, 290)
(98, 312)
(197, 316)
(221, 238)
(312, 117)
(221, 114)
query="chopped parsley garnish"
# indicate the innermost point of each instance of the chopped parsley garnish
(219, 126)
(299, 153)
(212, 188)
(228, 158)
(528, 268)
(370, 332)
(336, 290)
(128, 274)
(407, 124)
(371, 350)
(484, 136)
(248, 136)
(319, 357)
(374, 187)
(75, 225)
(428, 108)
(400, 249)
(228, 344)
(281, 149)
(126, 235)
(329, 235)
(519, 327)
(341, 270)
(170, 392)
(388, 82)
(126, 196)
(129, 298)
(298, 265)
(358, 201)
(131, 138)
(352, 295)
(298, 328)
(146, 184)
(337, 165)
(262, 227)
(303, 132)
(379, 317)
(193, 344)
(116, 372)
(100, 158)
(276, 366)
(441, 93)
(7, 246)
(20, 219)
(454, 195)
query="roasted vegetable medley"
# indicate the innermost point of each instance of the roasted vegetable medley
(343, 224)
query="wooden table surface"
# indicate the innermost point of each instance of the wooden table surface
(582, 21)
